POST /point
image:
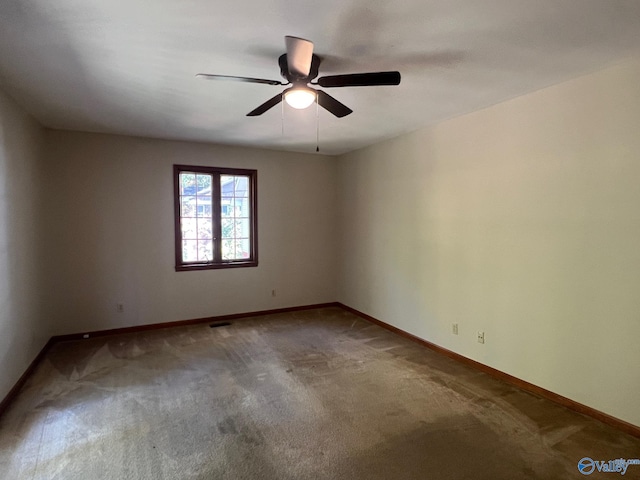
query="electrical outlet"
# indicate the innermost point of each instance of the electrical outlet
(120, 307)
(480, 337)
(454, 328)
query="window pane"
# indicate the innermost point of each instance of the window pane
(235, 223)
(204, 184)
(242, 248)
(242, 186)
(226, 185)
(242, 207)
(228, 249)
(187, 184)
(189, 228)
(203, 206)
(226, 207)
(205, 250)
(188, 206)
(205, 229)
(227, 227)
(242, 228)
(189, 250)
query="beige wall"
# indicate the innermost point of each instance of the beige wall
(111, 231)
(23, 328)
(521, 220)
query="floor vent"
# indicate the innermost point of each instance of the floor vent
(220, 324)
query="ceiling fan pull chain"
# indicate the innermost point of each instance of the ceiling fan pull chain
(317, 125)
(282, 116)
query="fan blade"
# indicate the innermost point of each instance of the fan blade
(272, 102)
(360, 79)
(329, 103)
(209, 76)
(299, 54)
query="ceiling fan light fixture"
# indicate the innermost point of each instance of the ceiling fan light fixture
(300, 98)
(299, 67)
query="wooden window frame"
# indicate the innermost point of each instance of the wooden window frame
(218, 262)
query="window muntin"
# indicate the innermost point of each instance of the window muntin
(216, 217)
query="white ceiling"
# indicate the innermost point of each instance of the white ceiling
(128, 67)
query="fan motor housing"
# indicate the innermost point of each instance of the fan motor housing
(313, 71)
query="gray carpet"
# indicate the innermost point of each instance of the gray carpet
(318, 394)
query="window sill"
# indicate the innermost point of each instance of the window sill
(215, 266)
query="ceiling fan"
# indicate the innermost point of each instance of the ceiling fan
(299, 66)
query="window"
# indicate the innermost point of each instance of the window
(215, 217)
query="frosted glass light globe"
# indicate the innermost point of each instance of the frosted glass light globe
(300, 97)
